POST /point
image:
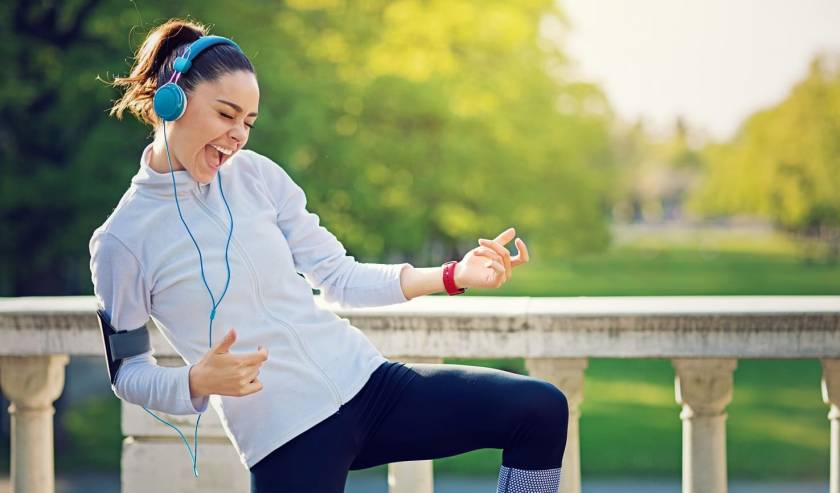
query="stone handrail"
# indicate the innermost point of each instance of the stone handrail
(704, 336)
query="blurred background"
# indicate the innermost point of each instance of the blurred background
(655, 147)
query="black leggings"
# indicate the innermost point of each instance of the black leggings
(417, 411)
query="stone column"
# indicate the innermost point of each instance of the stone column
(831, 396)
(416, 476)
(704, 388)
(32, 384)
(154, 458)
(567, 375)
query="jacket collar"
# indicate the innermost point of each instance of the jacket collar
(158, 184)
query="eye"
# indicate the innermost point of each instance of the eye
(231, 118)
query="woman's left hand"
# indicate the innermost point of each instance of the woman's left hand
(490, 265)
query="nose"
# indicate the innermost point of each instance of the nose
(238, 134)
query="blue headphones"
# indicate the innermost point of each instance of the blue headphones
(170, 101)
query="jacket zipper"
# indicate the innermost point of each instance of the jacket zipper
(256, 285)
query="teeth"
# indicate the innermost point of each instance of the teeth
(223, 150)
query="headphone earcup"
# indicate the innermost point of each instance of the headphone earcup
(170, 102)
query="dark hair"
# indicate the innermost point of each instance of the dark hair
(153, 67)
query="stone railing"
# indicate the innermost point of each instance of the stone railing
(703, 337)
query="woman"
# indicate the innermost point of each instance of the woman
(325, 401)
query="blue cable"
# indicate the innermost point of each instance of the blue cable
(194, 456)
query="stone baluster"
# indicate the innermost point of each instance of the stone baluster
(831, 396)
(416, 476)
(567, 375)
(32, 384)
(704, 389)
(154, 458)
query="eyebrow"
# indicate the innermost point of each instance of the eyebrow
(235, 106)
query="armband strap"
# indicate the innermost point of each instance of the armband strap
(121, 344)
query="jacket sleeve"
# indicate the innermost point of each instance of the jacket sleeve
(321, 257)
(120, 287)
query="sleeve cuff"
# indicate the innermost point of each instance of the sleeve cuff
(196, 404)
(399, 296)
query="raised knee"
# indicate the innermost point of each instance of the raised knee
(558, 403)
(548, 403)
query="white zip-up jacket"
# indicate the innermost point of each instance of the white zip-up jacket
(144, 264)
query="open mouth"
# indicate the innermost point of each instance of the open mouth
(214, 157)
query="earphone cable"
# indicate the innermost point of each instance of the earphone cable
(194, 456)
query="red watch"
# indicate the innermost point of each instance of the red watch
(449, 278)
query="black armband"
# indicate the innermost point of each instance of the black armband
(120, 344)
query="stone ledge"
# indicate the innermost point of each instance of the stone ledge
(488, 326)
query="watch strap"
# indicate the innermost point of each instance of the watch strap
(449, 278)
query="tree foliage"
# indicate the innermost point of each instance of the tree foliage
(784, 163)
(414, 127)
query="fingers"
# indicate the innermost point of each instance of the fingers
(250, 388)
(248, 380)
(256, 358)
(505, 236)
(505, 254)
(227, 341)
(253, 374)
(497, 266)
(488, 252)
(523, 256)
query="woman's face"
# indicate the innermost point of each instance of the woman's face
(215, 124)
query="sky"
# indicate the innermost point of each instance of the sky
(712, 61)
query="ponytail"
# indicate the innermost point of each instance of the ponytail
(160, 47)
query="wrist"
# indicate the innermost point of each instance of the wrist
(448, 274)
(196, 387)
(458, 275)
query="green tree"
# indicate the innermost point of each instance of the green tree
(784, 163)
(431, 123)
(414, 127)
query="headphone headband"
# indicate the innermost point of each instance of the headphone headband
(184, 62)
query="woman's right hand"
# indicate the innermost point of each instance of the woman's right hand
(223, 373)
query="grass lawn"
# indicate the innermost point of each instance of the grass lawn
(777, 425)
(678, 270)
